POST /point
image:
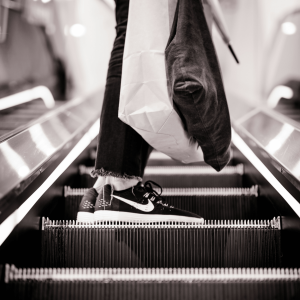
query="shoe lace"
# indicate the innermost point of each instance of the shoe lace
(160, 200)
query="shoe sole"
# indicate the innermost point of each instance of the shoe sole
(129, 217)
(85, 217)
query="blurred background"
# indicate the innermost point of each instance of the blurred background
(65, 45)
(62, 44)
(266, 37)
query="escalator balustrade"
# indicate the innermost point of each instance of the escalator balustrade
(17, 117)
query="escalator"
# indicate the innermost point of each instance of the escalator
(242, 251)
(170, 245)
(247, 248)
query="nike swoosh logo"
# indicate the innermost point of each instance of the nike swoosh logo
(143, 207)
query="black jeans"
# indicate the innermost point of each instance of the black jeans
(121, 151)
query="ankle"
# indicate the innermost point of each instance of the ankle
(120, 184)
(99, 184)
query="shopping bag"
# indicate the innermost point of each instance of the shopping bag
(145, 99)
(196, 83)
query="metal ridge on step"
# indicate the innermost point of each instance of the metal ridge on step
(208, 224)
(160, 274)
(253, 191)
(181, 170)
(156, 155)
(193, 170)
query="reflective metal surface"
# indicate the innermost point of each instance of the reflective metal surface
(277, 137)
(22, 154)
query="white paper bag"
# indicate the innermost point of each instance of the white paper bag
(145, 104)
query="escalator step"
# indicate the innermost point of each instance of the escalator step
(86, 181)
(160, 159)
(215, 203)
(182, 176)
(131, 284)
(210, 203)
(156, 159)
(195, 176)
(152, 245)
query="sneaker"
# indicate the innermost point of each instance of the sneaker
(86, 206)
(139, 203)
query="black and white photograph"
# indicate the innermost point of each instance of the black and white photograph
(150, 149)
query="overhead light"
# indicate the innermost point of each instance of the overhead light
(288, 28)
(46, 1)
(77, 30)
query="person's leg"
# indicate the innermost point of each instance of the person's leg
(123, 183)
(122, 153)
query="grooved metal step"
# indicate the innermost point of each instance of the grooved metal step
(210, 203)
(131, 284)
(193, 170)
(195, 176)
(162, 274)
(182, 176)
(156, 159)
(160, 159)
(155, 245)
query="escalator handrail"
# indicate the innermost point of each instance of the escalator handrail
(38, 92)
